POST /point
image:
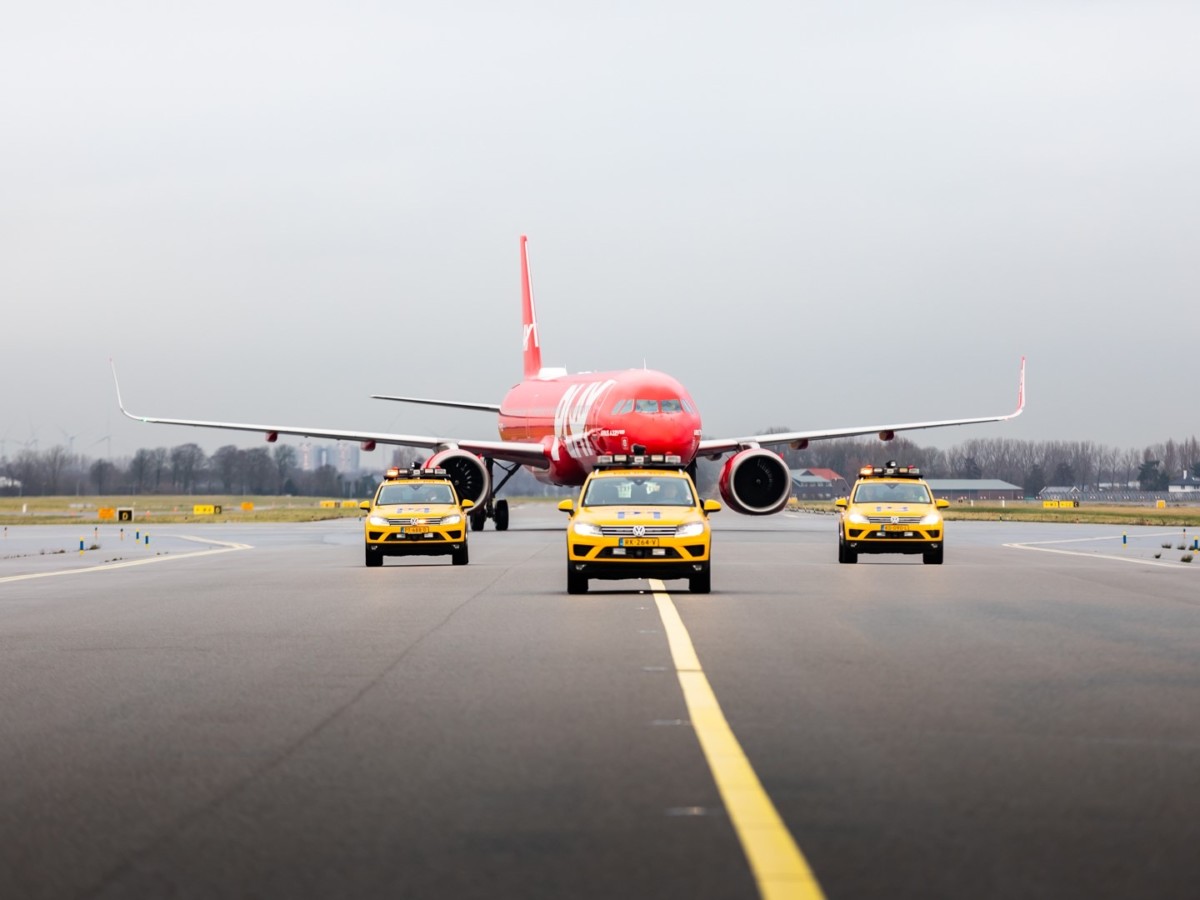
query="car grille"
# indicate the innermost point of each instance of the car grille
(894, 520)
(627, 530)
(421, 520)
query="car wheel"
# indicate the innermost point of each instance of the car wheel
(576, 582)
(933, 557)
(374, 557)
(460, 557)
(478, 520)
(846, 555)
(701, 582)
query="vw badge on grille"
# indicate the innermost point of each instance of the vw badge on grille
(639, 530)
(895, 520)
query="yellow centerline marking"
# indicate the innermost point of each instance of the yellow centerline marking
(223, 547)
(778, 865)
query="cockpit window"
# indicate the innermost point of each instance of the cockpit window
(646, 406)
(622, 407)
(671, 406)
(688, 407)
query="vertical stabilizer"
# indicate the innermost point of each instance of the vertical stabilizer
(531, 345)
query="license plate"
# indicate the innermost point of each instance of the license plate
(897, 528)
(639, 542)
(414, 529)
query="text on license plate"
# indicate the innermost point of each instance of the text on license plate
(639, 542)
(414, 529)
(897, 528)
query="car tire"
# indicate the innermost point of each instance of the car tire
(478, 520)
(846, 555)
(501, 515)
(460, 557)
(576, 582)
(701, 582)
(933, 557)
(373, 558)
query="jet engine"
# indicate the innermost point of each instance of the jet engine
(467, 473)
(756, 482)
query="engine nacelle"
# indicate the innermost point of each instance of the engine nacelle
(756, 482)
(467, 473)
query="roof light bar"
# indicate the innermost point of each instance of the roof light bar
(640, 460)
(415, 472)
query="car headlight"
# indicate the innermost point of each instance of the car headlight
(377, 520)
(931, 518)
(857, 518)
(452, 519)
(691, 529)
(587, 529)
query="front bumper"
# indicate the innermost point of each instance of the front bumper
(405, 542)
(908, 539)
(614, 558)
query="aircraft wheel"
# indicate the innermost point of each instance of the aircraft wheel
(501, 515)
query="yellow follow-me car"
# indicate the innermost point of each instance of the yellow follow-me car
(891, 510)
(416, 512)
(639, 517)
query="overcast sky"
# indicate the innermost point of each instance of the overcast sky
(811, 214)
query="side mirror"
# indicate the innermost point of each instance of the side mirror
(467, 504)
(567, 506)
(366, 504)
(841, 502)
(940, 503)
(711, 506)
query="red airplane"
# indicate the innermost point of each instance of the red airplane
(556, 424)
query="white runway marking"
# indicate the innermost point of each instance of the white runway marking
(222, 547)
(1141, 561)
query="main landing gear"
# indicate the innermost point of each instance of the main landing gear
(496, 510)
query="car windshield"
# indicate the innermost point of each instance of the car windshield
(891, 492)
(391, 494)
(639, 490)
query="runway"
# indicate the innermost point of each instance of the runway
(234, 711)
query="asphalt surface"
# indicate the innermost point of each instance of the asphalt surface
(266, 717)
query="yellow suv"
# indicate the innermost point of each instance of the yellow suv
(891, 510)
(639, 517)
(415, 512)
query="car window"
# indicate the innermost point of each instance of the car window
(641, 490)
(391, 494)
(891, 492)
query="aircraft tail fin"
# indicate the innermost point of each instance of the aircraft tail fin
(531, 346)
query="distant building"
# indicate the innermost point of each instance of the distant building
(818, 484)
(1185, 485)
(974, 489)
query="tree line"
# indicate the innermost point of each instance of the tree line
(187, 469)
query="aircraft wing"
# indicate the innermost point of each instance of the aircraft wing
(723, 445)
(453, 404)
(525, 453)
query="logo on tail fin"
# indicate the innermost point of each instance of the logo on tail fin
(530, 344)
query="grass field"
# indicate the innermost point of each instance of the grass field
(171, 509)
(1033, 511)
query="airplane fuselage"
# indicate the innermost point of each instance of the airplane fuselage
(578, 417)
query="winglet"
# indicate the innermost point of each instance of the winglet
(531, 345)
(118, 384)
(1020, 391)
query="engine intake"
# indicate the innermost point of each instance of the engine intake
(756, 482)
(467, 473)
